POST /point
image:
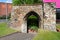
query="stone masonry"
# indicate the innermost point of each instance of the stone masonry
(50, 16)
(46, 14)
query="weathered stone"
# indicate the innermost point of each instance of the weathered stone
(51, 17)
(47, 21)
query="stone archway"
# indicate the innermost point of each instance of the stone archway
(47, 18)
(32, 22)
(20, 14)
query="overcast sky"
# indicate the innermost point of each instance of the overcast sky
(7, 1)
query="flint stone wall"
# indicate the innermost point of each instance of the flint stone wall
(47, 22)
(50, 16)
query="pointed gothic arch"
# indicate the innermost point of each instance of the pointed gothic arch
(37, 20)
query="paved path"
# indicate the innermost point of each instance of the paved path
(19, 36)
(2, 20)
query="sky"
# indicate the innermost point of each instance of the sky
(6, 1)
(57, 2)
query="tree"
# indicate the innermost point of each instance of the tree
(20, 2)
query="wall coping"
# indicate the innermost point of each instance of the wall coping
(30, 5)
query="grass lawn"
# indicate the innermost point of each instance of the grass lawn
(5, 30)
(58, 26)
(47, 35)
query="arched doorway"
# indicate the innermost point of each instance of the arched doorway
(32, 19)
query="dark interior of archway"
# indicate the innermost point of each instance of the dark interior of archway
(32, 21)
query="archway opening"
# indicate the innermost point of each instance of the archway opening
(32, 19)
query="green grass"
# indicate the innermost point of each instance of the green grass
(47, 35)
(58, 26)
(5, 30)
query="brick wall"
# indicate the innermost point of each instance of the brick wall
(3, 7)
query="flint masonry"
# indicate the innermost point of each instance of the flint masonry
(45, 13)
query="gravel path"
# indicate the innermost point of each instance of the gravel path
(19, 36)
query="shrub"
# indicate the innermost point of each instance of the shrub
(4, 17)
(20, 2)
(34, 28)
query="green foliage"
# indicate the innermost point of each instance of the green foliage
(20, 2)
(47, 35)
(32, 22)
(34, 28)
(32, 17)
(58, 26)
(4, 16)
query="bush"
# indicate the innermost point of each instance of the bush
(20, 2)
(4, 17)
(34, 28)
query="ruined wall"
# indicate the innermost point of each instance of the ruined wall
(18, 16)
(49, 16)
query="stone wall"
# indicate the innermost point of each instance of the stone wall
(49, 16)
(47, 22)
(18, 19)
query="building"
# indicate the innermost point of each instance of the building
(5, 8)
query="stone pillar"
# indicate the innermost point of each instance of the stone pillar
(49, 17)
(24, 27)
